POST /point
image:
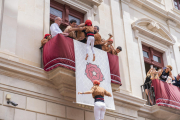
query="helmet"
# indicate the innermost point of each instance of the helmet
(96, 82)
(88, 22)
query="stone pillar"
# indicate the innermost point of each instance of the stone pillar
(119, 40)
(175, 57)
(131, 47)
(9, 26)
(46, 16)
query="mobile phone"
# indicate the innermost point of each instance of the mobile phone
(164, 68)
(151, 66)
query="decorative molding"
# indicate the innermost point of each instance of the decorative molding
(171, 23)
(77, 4)
(159, 10)
(151, 28)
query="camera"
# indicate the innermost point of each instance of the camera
(12, 103)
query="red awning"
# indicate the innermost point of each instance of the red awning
(166, 94)
(59, 52)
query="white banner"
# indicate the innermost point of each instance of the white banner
(87, 71)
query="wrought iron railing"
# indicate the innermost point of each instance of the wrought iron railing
(148, 94)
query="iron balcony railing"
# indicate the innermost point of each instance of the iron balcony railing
(148, 94)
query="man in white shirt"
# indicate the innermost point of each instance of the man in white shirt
(55, 27)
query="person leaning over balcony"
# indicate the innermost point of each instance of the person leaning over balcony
(163, 74)
(72, 24)
(47, 37)
(98, 95)
(90, 36)
(81, 34)
(177, 80)
(55, 27)
(97, 37)
(107, 44)
(118, 50)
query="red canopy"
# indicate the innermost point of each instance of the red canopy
(166, 94)
(59, 51)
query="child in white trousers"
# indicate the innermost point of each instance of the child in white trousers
(98, 95)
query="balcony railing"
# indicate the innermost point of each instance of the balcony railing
(148, 94)
(161, 93)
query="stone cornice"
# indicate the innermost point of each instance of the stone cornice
(167, 14)
(155, 112)
(131, 101)
(21, 68)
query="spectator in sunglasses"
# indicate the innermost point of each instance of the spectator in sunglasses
(176, 82)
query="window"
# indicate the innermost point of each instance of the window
(145, 54)
(152, 57)
(66, 13)
(177, 4)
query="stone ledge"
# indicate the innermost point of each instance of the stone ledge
(159, 112)
(131, 101)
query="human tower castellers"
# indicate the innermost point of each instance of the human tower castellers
(89, 30)
(98, 95)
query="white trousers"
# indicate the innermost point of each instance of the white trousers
(90, 40)
(99, 110)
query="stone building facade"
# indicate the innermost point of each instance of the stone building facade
(154, 24)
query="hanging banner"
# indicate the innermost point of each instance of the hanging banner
(87, 71)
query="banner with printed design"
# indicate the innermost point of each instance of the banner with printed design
(87, 71)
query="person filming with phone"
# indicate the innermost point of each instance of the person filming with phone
(165, 72)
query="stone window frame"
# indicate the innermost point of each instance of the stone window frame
(146, 36)
(151, 51)
(66, 11)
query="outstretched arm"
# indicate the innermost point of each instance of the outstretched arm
(81, 25)
(76, 29)
(107, 93)
(87, 92)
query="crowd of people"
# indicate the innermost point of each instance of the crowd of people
(86, 33)
(164, 74)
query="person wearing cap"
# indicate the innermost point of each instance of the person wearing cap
(89, 29)
(47, 37)
(108, 45)
(105, 42)
(98, 94)
(118, 50)
(165, 72)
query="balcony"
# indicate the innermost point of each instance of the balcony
(59, 62)
(163, 101)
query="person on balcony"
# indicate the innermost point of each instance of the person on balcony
(98, 95)
(163, 74)
(118, 50)
(151, 75)
(107, 44)
(47, 37)
(176, 80)
(72, 24)
(89, 29)
(55, 27)
(97, 37)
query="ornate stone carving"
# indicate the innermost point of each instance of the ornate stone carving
(152, 30)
